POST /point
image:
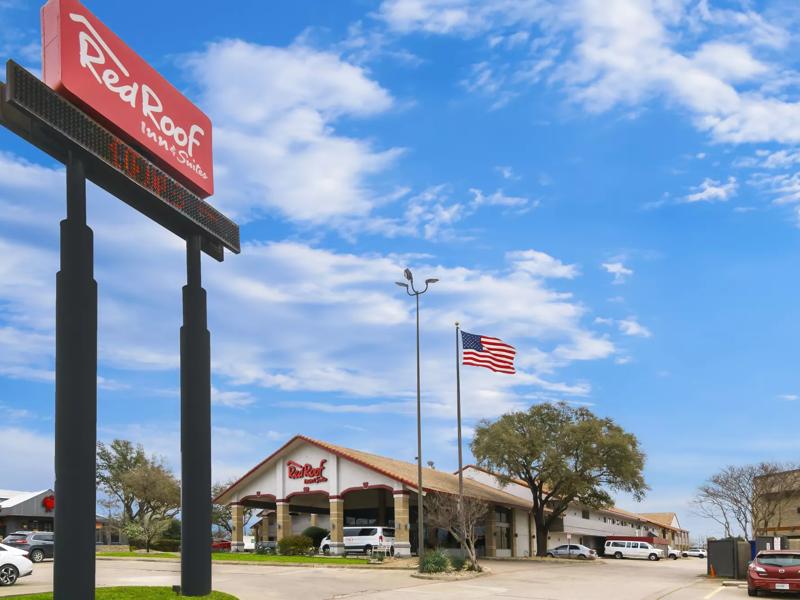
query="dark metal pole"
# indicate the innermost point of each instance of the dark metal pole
(458, 414)
(195, 431)
(420, 524)
(76, 398)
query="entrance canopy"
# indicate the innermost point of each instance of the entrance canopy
(305, 466)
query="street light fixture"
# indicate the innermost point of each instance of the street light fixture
(412, 291)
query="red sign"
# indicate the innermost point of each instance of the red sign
(85, 61)
(49, 503)
(306, 472)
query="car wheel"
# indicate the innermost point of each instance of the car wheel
(617, 554)
(550, 555)
(582, 557)
(685, 555)
(8, 575)
(701, 556)
(368, 549)
(37, 555)
(653, 557)
(752, 592)
(326, 550)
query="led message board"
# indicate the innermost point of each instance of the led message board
(24, 91)
(86, 62)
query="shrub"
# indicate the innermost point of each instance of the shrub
(316, 534)
(457, 561)
(434, 561)
(294, 545)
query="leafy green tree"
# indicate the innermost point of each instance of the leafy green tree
(157, 500)
(564, 455)
(113, 462)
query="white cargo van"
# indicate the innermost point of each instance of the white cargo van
(632, 549)
(363, 539)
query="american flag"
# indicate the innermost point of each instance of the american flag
(490, 352)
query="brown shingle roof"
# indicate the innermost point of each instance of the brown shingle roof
(405, 472)
(663, 519)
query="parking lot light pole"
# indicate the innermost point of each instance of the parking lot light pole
(412, 291)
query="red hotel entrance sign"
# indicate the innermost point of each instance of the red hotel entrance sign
(86, 62)
(307, 472)
(112, 120)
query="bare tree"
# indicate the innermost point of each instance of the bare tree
(461, 519)
(221, 516)
(747, 499)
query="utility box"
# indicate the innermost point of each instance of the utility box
(728, 558)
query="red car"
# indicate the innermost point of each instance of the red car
(774, 571)
(221, 545)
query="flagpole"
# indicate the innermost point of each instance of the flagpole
(458, 413)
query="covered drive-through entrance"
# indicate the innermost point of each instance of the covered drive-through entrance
(309, 482)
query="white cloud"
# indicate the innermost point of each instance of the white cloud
(276, 148)
(231, 398)
(628, 326)
(540, 264)
(498, 198)
(618, 270)
(711, 190)
(788, 397)
(632, 327)
(627, 52)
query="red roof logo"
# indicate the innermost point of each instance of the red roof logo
(49, 503)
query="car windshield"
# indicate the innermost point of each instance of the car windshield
(780, 560)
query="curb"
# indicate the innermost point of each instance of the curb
(445, 577)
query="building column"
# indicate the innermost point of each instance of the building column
(265, 528)
(312, 518)
(337, 525)
(489, 533)
(284, 520)
(402, 544)
(237, 533)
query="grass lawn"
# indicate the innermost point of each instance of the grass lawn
(131, 593)
(246, 556)
(124, 554)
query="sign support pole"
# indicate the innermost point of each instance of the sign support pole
(76, 398)
(195, 431)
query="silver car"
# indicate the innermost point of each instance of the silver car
(572, 551)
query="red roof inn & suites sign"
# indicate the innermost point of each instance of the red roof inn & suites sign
(307, 472)
(111, 119)
(85, 61)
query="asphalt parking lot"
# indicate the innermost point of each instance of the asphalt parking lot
(603, 579)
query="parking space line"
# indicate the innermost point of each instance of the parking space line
(714, 593)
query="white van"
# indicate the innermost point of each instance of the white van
(363, 539)
(632, 549)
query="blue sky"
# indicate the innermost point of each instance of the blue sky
(610, 186)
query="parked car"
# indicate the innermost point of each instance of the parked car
(13, 565)
(38, 544)
(673, 553)
(774, 571)
(362, 539)
(696, 552)
(572, 551)
(632, 549)
(220, 545)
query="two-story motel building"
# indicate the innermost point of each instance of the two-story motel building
(311, 482)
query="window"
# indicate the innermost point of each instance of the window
(618, 544)
(574, 547)
(585, 514)
(367, 531)
(351, 531)
(388, 532)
